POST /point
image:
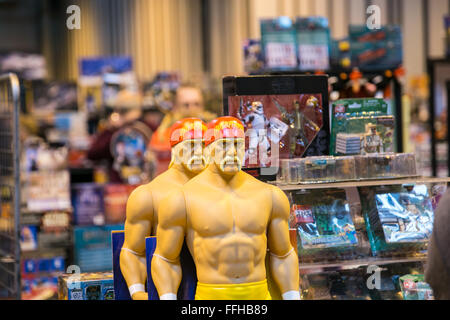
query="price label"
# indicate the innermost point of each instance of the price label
(313, 57)
(280, 55)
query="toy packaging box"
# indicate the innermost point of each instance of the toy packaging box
(313, 43)
(115, 202)
(283, 117)
(86, 286)
(399, 219)
(39, 277)
(414, 287)
(92, 247)
(361, 126)
(253, 56)
(324, 224)
(291, 121)
(385, 165)
(87, 202)
(278, 41)
(54, 230)
(378, 49)
(47, 190)
(317, 170)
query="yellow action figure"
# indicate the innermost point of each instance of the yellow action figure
(229, 220)
(187, 140)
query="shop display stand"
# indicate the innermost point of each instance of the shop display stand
(365, 183)
(396, 88)
(433, 66)
(352, 187)
(9, 187)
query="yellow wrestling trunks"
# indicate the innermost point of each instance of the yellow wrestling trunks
(233, 291)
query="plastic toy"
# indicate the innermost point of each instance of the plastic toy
(229, 220)
(186, 140)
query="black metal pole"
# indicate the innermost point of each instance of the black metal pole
(398, 114)
(430, 71)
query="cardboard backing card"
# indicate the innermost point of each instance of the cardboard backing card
(288, 115)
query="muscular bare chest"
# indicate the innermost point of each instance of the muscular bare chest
(214, 212)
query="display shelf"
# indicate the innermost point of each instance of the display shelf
(363, 183)
(310, 268)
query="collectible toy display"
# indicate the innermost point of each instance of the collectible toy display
(228, 244)
(290, 122)
(361, 126)
(323, 224)
(398, 221)
(377, 49)
(90, 286)
(278, 41)
(334, 169)
(284, 115)
(186, 140)
(313, 39)
(385, 165)
(414, 287)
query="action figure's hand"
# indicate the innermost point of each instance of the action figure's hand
(140, 296)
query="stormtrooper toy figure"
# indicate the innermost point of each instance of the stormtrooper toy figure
(257, 126)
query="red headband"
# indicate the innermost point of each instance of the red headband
(187, 129)
(224, 127)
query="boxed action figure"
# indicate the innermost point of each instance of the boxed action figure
(283, 117)
(317, 170)
(361, 126)
(253, 56)
(385, 165)
(86, 286)
(39, 277)
(399, 219)
(378, 49)
(325, 227)
(87, 202)
(92, 247)
(414, 287)
(313, 40)
(278, 40)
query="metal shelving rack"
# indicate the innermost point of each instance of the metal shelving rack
(9, 187)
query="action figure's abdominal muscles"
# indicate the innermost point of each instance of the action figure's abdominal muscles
(234, 258)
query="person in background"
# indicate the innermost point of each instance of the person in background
(188, 102)
(437, 272)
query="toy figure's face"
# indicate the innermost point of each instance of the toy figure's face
(257, 107)
(189, 153)
(228, 155)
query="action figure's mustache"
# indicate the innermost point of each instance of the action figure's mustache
(196, 160)
(230, 160)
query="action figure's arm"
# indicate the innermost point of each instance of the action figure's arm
(283, 258)
(166, 268)
(282, 110)
(138, 225)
